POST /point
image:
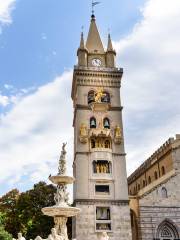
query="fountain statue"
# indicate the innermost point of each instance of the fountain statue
(61, 210)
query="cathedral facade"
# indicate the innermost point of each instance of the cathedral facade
(154, 190)
(99, 167)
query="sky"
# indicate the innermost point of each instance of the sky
(38, 46)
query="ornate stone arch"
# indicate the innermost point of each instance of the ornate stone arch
(167, 230)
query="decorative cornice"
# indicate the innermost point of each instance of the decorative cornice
(87, 107)
(90, 76)
(101, 201)
(153, 159)
(86, 153)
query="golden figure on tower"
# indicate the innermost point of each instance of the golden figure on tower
(83, 133)
(98, 96)
(118, 134)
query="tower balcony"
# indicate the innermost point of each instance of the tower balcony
(100, 132)
(101, 153)
(100, 106)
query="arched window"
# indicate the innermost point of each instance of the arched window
(149, 179)
(92, 122)
(139, 187)
(106, 97)
(106, 123)
(163, 170)
(130, 192)
(164, 192)
(91, 97)
(155, 175)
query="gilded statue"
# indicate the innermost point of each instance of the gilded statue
(99, 95)
(83, 130)
(97, 168)
(118, 133)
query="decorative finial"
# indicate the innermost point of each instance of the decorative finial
(62, 161)
(82, 29)
(93, 5)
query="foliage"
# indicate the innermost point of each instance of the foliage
(4, 235)
(8, 206)
(23, 211)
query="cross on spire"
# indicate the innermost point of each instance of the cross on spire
(93, 5)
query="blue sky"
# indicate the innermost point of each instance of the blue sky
(38, 44)
(44, 36)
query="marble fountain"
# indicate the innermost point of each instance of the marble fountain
(61, 210)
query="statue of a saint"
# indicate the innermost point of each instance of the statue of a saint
(83, 130)
(118, 133)
(97, 168)
(101, 168)
(104, 168)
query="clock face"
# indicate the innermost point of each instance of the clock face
(96, 62)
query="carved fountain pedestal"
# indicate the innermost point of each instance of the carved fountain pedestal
(61, 210)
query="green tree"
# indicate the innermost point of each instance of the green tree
(4, 235)
(8, 206)
(29, 205)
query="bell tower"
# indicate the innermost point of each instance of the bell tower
(99, 167)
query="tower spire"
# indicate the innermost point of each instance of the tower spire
(82, 45)
(110, 46)
(94, 43)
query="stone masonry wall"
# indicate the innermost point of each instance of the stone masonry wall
(155, 208)
(85, 223)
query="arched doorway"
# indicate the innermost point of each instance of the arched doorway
(134, 225)
(167, 231)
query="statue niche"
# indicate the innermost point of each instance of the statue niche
(99, 100)
(101, 167)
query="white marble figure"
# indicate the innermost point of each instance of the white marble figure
(61, 196)
(61, 227)
(20, 237)
(104, 236)
(38, 238)
(62, 161)
(54, 235)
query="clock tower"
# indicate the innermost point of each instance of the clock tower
(99, 167)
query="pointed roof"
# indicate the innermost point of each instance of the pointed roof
(110, 46)
(94, 43)
(82, 45)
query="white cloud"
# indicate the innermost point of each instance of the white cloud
(6, 7)
(4, 100)
(34, 130)
(150, 56)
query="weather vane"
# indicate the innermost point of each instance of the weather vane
(93, 5)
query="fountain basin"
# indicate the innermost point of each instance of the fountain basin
(56, 211)
(61, 179)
